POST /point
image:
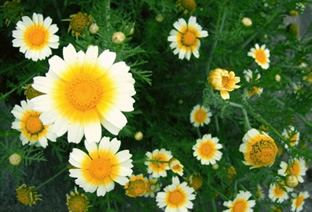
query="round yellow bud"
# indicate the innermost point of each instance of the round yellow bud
(291, 181)
(247, 22)
(93, 29)
(277, 78)
(215, 166)
(159, 18)
(138, 136)
(15, 159)
(118, 37)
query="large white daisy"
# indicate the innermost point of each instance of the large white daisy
(83, 91)
(296, 167)
(35, 37)
(240, 203)
(184, 38)
(27, 121)
(101, 167)
(206, 150)
(298, 201)
(158, 162)
(176, 197)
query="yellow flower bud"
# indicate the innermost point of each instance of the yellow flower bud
(138, 136)
(118, 37)
(15, 159)
(247, 22)
(291, 181)
(93, 29)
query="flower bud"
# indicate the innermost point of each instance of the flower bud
(159, 18)
(138, 136)
(93, 29)
(277, 78)
(247, 22)
(118, 37)
(15, 159)
(291, 181)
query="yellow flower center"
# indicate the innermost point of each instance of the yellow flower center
(100, 168)
(26, 195)
(225, 81)
(200, 116)
(78, 203)
(33, 124)
(240, 206)
(161, 164)
(278, 190)
(299, 201)
(136, 188)
(176, 197)
(207, 149)
(294, 169)
(260, 56)
(84, 93)
(188, 38)
(36, 37)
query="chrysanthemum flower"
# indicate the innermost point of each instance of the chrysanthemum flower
(27, 195)
(294, 167)
(136, 186)
(78, 23)
(27, 121)
(223, 81)
(176, 166)
(206, 150)
(259, 192)
(101, 167)
(298, 201)
(252, 79)
(279, 192)
(184, 38)
(77, 202)
(84, 91)
(291, 134)
(200, 115)
(240, 203)
(158, 162)
(176, 197)
(152, 187)
(261, 56)
(35, 37)
(259, 149)
(195, 181)
(188, 6)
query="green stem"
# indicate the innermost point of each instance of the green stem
(107, 12)
(222, 195)
(213, 203)
(198, 132)
(108, 204)
(217, 124)
(246, 119)
(52, 178)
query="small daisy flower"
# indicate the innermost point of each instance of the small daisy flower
(291, 134)
(259, 149)
(261, 56)
(260, 194)
(152, 187)
(223, 81)
(176, 197)
(158, 162)
(294, 167)
(136, 186)
(253, 79)
(206, 150)
(101, 167)
(184, 38)
(35, 37)
(200, 115)
(27, 121)
(298, 201)
(187, 6)
(195, 181)
(84, 91)
(241, 203)
(27, 195)
(279, 192)
(176, 166)
(77, 202)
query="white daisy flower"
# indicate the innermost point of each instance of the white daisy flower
(35, 37)
(184, 38)
(158, 162)
(294, 167)
(261, 56)
(298, 201)
(200, 115)
(152, 187)
(279, 192)
(291, 134)
(101, 167)
(176, 197)
(241, 203)
(84, 91)
(207, 151)
(27, 121)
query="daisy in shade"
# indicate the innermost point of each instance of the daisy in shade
(84, 91)
(259, 149)
(240, 203)
(291, 134)
(200, 115)
(27, 121)
(294, 167)
(223, 81)
(253, 79)
(298, 201)
(184, 38)
(207, 151)
(35, 37)
(261, 56)
(259, 192)
(176, 197)
(158, 162)
(152, 187)
(101, 167)
(279, 192)
(136, 186)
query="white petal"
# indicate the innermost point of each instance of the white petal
(110, 186)
(101, 191)
(123, 156)
(104, 143)
(179, 24)
(75, 133)
(48, 118)
(106, 59)
(27, 21)
(60, 126)
(116, 121)
(90, 146)
(43, 84)
(57, 65)
(93, 131)
(92, 54)
(47, 22)
(114, 145)
(69, 54)
(121, 180)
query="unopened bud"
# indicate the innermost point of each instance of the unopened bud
(15, 159)
(159, 18)
(291, 181)
(94, 28)
(138, 136)
(247, 22)
(277, 78)
(118, 37)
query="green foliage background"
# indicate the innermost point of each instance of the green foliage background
(167, 89)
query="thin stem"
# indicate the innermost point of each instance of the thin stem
(246, 119)
(213, 203)
(108, 204)
(217, 124)
(198, 132)
(107, 12)
(222, 195)
(52, 178)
